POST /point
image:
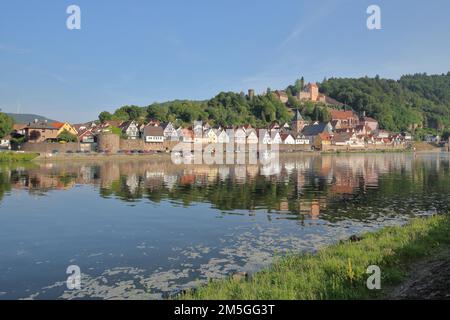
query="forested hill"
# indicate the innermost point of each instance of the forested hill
(412, 102)
(419, 99)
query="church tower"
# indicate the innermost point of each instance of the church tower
(298, 123)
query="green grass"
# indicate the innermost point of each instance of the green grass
(17, 157)
(338, 271)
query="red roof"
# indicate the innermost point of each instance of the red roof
(57, 125)
(341, 114)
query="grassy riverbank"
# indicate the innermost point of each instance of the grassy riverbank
(17, 157)
(339, 271)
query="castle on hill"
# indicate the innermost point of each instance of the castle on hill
(310, 92)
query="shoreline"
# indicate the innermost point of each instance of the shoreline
(339, 271)
(122, 157)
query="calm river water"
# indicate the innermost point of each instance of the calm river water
(148, 229)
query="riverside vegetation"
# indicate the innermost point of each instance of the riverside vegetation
(339, 271)
(17, 157)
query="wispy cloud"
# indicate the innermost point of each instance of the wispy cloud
(285, 62)
(309, 19)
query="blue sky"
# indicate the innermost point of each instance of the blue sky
(139, 52)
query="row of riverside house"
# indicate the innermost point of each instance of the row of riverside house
(346, 129)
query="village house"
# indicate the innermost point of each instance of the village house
(276, 138)
(170, 133)
(211, 136)
(40, 132)
(131, 129)
(371, 123)
(198, 128)
(252, 137)
(186, 135)
(64, 126)
(311, 132)
(239, 136)
(86, 136)
(222, 136)
(264, 136)
(347, 139)
(301, 139)
(19, 128)
(153, 134)
(287, 138)
(322, 140)
(342, 119)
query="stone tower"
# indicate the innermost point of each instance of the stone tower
(298, 123)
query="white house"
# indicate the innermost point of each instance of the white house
(223, 137)
(276, 138)
(301, 139)
(210, 136)
(131, 129)
(239, 136)
(153, 134)
(287, 138)
(170, 133)
(252, 137)
(264, 136)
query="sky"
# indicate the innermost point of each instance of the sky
(141, 51)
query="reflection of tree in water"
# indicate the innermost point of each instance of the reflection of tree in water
(332, 188)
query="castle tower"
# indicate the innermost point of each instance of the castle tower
(313, 91)
(251, 94)
(298, 123)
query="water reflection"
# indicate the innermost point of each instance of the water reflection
(149, 228)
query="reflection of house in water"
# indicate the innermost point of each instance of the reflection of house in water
(252, 171)
(187, 179)
(240, 173)
(109, 172)
(224, 173)
(132, 182)
(170, 181)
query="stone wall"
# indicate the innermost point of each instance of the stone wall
(44, 147)
(330, 148)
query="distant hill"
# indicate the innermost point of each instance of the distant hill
(27, 118)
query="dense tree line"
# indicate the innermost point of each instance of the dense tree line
(416, 100)
(419, 102)
(225, 109)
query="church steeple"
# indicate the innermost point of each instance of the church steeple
(298, 122)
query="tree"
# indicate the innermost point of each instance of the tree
(35, 135)
(126, 113)
(105, 116)
(6, 125)
(66, 136)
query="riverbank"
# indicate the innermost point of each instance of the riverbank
(6, 157)
(163, 155)
(339, 271)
